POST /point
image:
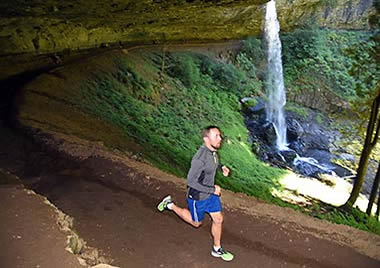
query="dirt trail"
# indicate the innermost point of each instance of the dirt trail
(113, 201)
(29, 235)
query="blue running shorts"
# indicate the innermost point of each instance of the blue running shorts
(198, 208)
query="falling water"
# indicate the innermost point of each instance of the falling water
(275, 82)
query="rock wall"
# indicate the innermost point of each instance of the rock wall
(37, 26)
(322, 100)
(340, 14)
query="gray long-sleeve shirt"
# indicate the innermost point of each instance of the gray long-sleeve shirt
(201, 176)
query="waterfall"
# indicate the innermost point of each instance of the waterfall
(275, 118)
(275, 89)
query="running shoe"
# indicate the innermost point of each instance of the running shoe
(164, 203)
(221, 253)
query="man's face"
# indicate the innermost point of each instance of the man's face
(214, 138)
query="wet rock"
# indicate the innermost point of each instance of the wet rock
(347, 157)
(259, 108)
(316, 140)
(270, 134)
(341, 171)
(277, 159)
(322, 156)
(307, 169)
(297, 146)
(289, 155)
(294, 130)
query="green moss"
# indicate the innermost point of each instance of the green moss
(168, 131)
(251, 102)
(295, 108)
(319, 118)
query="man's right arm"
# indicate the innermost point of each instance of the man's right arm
(197, 166)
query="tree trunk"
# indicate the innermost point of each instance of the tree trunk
(375, 187)
(378, 207)
(370, 142)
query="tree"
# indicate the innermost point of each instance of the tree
(375, 187)
(378, 206)
(366, 71)
(371, 138)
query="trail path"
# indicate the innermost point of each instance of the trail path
(113, 199)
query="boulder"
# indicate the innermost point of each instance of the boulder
(322, 156)
(259, 108)
(270, 135)
(297, 146)
(289, 155)
(347, 157)
(316, 140)
(341, 171)
(294, 130)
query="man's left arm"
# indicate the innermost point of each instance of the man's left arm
(224, 169)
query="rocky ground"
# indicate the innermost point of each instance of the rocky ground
(311, 134)
(111, 199)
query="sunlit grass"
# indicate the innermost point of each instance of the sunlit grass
(305, 191)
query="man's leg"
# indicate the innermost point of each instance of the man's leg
(185, 215)
(216, 230)
(215, 208)
(216, 227)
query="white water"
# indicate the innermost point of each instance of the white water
(275, 89)
(311, 161)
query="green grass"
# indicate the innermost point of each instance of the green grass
(164, 118)
(354, 218)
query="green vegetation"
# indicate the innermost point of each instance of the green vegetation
(163, 112)
(165, 119)
(251, 103)
(319, 118)
(345, 64)
(354, 218)
(319, 60)
(303, 112)
(296, 108)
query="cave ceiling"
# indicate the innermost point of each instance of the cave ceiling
(41, 27)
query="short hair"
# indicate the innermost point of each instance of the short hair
(207, 129)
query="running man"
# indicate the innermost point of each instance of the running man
(203, 195)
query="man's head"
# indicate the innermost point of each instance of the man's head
(212, 137)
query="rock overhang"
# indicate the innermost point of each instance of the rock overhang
(48, 26)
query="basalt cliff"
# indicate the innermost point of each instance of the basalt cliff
(34, 28)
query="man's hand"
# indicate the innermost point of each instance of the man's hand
(217, 190)
(226, 171)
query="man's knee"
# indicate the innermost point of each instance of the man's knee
(217, 218)
(196, 224)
